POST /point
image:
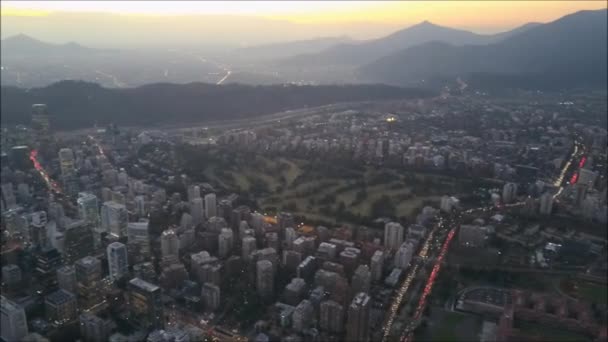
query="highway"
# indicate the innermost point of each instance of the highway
(51, 184)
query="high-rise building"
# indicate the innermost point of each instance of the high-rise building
(393, 235)
(140, 206)
(145, 304)
(210, 294)
(48, 260)
(14, 321)
(8, 195)
(66, 162)
(194, 191)
(404, 254)
(41, 126)
(264, 278)
(196, 210)
(248, 246)
(361, 280)
(357, 326)
(169, 244)
(546, 204)
(290, 237)
(61, 307)
(509, 191)
(78, 241)
(66, 278)
(302, 316)
(94, 328)
(285, 220)
(294, 291)
(114, 218)
(138, 241)
(377, 266)
(118, 262)
(88, 282)
(586, 176)
(446, 204)
(225, 242)
(88, 209)
(332, 317)
(210, 206)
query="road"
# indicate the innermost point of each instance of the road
(228, 72)
(51, 184)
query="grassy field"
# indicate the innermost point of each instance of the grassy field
(320, 191)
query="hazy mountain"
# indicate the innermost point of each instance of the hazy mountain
(23, 45)
(80, 104)
(364, 52)
(568, 51)
(523, 28)
(286, 49)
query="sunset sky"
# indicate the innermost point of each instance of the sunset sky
(357, 19)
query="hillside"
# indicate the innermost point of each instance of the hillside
(360, 53)
(570, 51)
(75, 104)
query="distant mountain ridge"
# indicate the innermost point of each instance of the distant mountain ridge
(289, 48)
(363, 52)
(22, 44)
(573, 46)
(76, 104)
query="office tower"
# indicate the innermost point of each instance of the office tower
(509, 192)
(349, 258)
(216, 224)
(361, 280)
(290, 237)
(66, 278)
(357, 326)
(145, 304)
(94, 328)
(264, 278)
(122, 178)
(169, 245)
(243, 229)
(416, 231)
(210, 206)
(210, 294)
(225, 242)
(404, 254)
(377, 266)
(88, 208)
(285, 220)
(248, 246)
(138, 241)
(114, 218)
(186, 221)
(60, 307)
(302, 316)
(14, 321)
(294, 291)
(332, 317)
(580, 192)
(240, 213)
(272, 240)
(327, 251)
(11, 275)
(258, 223)
(307, 268)
(196, 210)
(118, 262)
(140, 206)
(88, 282)
(393, 235)
(194, 191)
(78, 241)
(48, 260)
(145, 271)
(66, 162)
(224, 209)
(546, 204)
(589, 207)
(304, 245)
(291, 260)
(446, 204)
(41, 126)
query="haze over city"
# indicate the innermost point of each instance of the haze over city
(358, 171)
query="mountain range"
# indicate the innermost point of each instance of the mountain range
(569, 51)
(363, 52)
